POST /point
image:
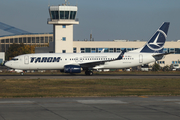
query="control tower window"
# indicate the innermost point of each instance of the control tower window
(55, 14)
(73, 15)
(66, 14)
(61, 14)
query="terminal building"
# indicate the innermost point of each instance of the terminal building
(63, 17)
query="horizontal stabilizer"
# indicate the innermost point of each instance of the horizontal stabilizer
(162, 54)
(121, 55)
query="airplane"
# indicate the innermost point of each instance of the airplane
(76, 62)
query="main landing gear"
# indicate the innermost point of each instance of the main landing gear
(87, 72)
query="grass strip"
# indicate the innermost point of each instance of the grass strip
(98, 87)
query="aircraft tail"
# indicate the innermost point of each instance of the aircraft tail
(156, 43)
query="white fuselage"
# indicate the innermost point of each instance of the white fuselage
(55, 61)
(72, 63)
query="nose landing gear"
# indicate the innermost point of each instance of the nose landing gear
(22, 73)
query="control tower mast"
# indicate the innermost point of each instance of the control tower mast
(63, 17)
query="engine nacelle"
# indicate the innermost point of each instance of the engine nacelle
(72, 69)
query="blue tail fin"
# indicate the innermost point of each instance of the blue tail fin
(156, 43)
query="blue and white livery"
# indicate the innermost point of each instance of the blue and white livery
(75, 62)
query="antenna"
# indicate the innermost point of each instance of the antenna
(66, 2)
(48, 3)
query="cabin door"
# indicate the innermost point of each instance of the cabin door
(140, 58)
(26, 60)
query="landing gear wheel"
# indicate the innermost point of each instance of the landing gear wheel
(86, 72)
(22, 73)
(89, 73)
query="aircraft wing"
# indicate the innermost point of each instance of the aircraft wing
(96, 63)
(93, 64)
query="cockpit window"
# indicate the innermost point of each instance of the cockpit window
(15, 59)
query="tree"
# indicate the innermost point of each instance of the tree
(19, 49)
(156, 67)
(166, 68)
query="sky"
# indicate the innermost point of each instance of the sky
(105, 19)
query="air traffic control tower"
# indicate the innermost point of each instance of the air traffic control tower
(63, 17)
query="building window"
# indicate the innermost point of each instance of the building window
(129, 49)
(172, 50)
(33, 39)
(16, 40)
(161, 62)
(24, 40)
(74, 50)
(20, 40)
(87, 50)
(46, 39)
(29, 39)
(106, 50)
(111, 50)
(177, 50)
(63, 51)
(42, 39)
(64, 38)
(165, 50)
(82, 50)
(37, 39)
(100, 49)
(93, 50)
(64, 26)
(7, 40)
(11, 40)
(122, 49)
(50, 39)
(118, 50)
(2, 41)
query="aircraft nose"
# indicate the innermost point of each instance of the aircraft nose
(8, 64)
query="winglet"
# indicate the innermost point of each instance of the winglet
(121, 55)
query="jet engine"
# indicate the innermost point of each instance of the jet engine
(72, 69)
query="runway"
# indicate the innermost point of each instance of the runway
(87, 108)
(96, 76)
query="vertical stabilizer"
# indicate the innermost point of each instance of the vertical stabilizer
(156, 43)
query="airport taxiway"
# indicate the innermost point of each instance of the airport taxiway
(89, 108)
(96, 76)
